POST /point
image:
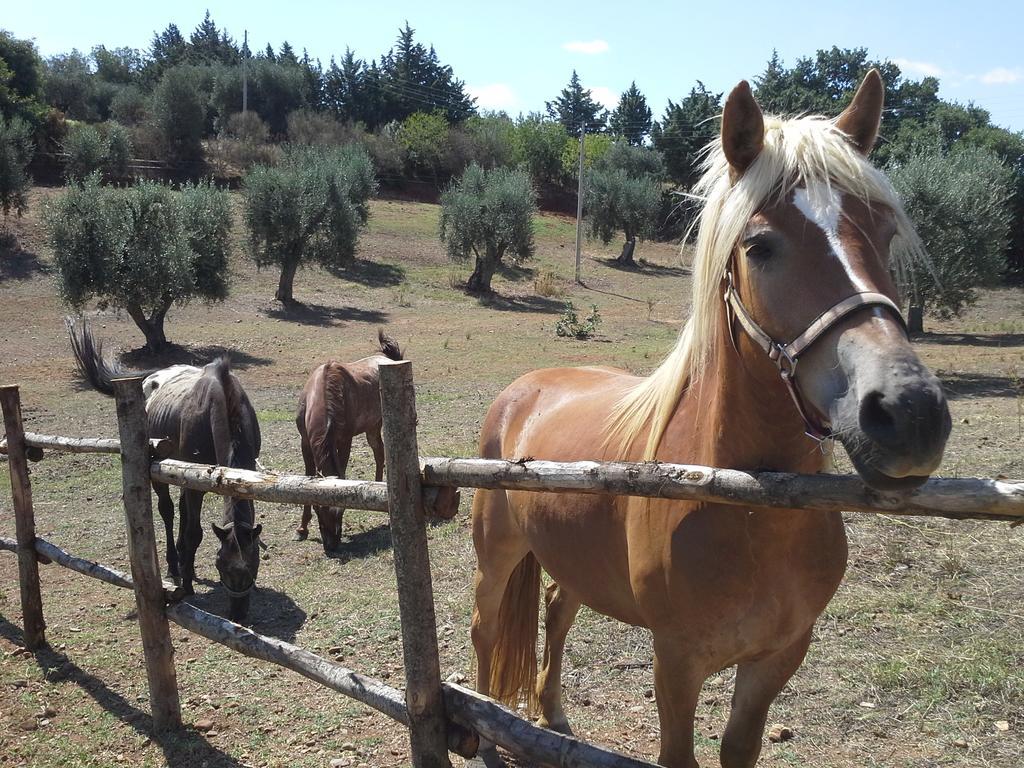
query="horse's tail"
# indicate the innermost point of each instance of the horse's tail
(325, 456)
(514, 660)
(95, 367)
(388, 346)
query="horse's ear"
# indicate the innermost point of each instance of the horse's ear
(222, 533)
(742, 128)
(860, 121)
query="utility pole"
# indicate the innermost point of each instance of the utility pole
(579, 207)
(245, 68)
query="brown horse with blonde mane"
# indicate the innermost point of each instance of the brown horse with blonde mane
(798, 239)
(340, 401)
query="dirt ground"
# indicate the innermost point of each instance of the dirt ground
(918, 661)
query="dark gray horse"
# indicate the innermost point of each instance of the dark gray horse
(207, 416)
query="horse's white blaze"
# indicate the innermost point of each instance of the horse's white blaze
(822, 205)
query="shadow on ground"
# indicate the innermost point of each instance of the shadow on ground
(176, 354)
(319, 314)
(357, 546)
(185, 747)
(527, 303)
(960, 384)
(516, 273)
(972, 339)
(641, 267)
(271, 612)
(18, 264)
(374, 274)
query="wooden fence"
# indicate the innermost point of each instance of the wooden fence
(439, 715)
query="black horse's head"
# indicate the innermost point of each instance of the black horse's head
(238, 563)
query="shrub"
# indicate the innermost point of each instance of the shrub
(318, 128)
(958, 202)
(85, 150)
(486, 214)
(570, 325)
(118, 151)
(424, 137)
(16, 150)
(309, 209)
(141, 248)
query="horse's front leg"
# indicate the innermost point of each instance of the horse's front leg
(166, 506)
(677, 682)
(190, 535)
(757, 685)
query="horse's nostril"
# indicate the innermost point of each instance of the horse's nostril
(878, 420)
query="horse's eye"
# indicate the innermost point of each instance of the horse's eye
(759, 251)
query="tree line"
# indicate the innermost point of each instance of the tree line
(412, 120)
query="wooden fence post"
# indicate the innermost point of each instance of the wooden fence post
(149, 589)
(427, 729)
(24, 520)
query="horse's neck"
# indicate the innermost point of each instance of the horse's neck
(742, 415)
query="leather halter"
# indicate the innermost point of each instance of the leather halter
(786, 356)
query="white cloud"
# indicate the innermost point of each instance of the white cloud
(605, 96)
(907, 66)
(1002, 76)
(496, 96)
(589, 47)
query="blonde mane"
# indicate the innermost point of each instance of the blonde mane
(796, 151)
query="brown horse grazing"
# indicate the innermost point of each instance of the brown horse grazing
(208, 418)
(340, 401)
(797, 238)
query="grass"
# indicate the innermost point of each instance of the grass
(927, 625)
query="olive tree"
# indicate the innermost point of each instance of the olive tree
(141, 248)
(486, 214)
(308, 209)
(959, 204)
(622, 194)
(16, 150)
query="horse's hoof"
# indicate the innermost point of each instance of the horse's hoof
(558, 726)
(300, 535)
(187, 590)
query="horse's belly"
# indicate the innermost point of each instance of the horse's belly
(580, 541)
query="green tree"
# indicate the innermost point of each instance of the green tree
(118, 151)
(958, 201)
(413, 79)
(179, 113)
(622, 194)
(631, 119)
(575, 107)
(685, 130)
(595, 147)
(129, 105)
(309, 209)
(275, 91)
(120, 66)
(16, 150)
(141, 248)
(538, 144)
(68, 86)
(20, 80)
(484, 215)
(424, 137)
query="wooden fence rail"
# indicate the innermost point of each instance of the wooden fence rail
(959, 499)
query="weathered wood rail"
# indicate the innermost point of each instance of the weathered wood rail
(956, 498)
(440, 716)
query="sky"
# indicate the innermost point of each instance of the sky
(516, 55)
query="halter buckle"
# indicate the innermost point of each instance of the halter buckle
(784, 360)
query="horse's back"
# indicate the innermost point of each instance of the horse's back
(557, 414)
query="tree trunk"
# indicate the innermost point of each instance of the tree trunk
(628, 247)
(152, 327)
(284, 285)
(480, 280)
(915, 320)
